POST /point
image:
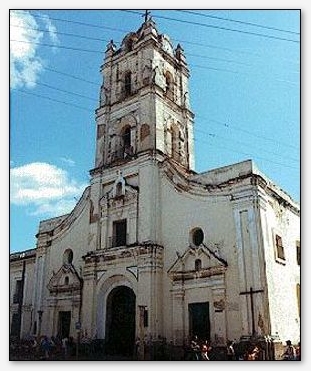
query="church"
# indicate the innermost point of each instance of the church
(154, 250)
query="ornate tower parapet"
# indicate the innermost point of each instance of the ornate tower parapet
(144, 100)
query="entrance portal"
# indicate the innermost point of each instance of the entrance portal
(199, 322)
(64, 324)
(120, 321)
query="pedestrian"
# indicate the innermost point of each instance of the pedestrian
(289, 353)
(230, 351)
(205, 349)
(252, 354)
(65, 346)
(195, 348)
(298, 352)
(46, 347)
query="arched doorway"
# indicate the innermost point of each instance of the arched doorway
(120, 321)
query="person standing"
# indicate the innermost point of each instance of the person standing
(289, 353)
(230, 351)
(65, 346)
(46, 347)
(298, 352)
(204, 353)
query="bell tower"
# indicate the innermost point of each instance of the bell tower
(144, 101)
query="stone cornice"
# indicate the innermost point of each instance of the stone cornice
(202, 273)
(133, 252)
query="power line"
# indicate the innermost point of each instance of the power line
(105, 40)
(72, 76)
(217, 27)
(188, 54)
(246, 131)
(238, 21)
(178, 40)
(208, 134)
(64, 91)
(191, 65)
(212, 135)
(250, 155)
(82, 23)
(62, 33)
(58, 46)
(218, 59)
(55, 100)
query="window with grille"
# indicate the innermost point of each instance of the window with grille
(279, 247)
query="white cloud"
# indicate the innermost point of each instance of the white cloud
(68, 161)
(51, 30)
(58, 208)
(25, 38)
(44, 188)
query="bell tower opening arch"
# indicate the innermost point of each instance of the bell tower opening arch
(116, 315)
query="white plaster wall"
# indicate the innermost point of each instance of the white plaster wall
(282, 279)
(180, 213)
(77, 239)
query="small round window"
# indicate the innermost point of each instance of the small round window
(197, 236)
(68, 256)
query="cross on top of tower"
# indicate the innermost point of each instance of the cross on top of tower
(147, 13)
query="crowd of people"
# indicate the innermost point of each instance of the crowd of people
(57, 348)
(42, 348)
(237, 351)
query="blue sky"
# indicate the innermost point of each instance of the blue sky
(244, 92)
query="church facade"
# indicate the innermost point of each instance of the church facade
(153, 249)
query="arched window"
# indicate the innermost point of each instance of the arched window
(128, 83)
(197, 264)
(66, 280)
(169, 86)
(126, 139)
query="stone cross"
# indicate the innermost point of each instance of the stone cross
(251, 292)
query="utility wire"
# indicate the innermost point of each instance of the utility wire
(246, 131)
(177, 40)
(105, 40)
(204, 67)
(238, 21)
(64, 91)
(201, 139)
(55, 100)
(97, 39)
(212, 135)
(58, 46)
(61, 33)
(217, 27)
(82, 23)
(249, 154)
(191, 65)
(72, 76)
